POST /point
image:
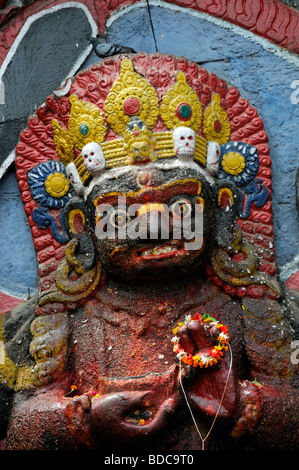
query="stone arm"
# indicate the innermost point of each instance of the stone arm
(14, 344)
(275, 400)
(38, 420)
(46, 413)
(51, 419)
(24, 402)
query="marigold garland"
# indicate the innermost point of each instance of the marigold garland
(207, 359)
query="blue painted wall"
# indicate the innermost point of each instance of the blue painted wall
(18, 262)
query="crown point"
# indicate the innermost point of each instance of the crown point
(181, 77)
(73, 99)
(126, 65)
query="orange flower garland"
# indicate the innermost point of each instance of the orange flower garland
(207, 359)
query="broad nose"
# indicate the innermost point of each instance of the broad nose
(154, 221)
(151, 207)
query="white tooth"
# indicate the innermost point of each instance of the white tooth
(159, 250)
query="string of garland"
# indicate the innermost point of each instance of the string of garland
(214, 354)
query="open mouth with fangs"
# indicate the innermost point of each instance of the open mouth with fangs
(161, 251)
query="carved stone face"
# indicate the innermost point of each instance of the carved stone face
(184, 142)
(140, 151)
(93, 158)
(156, 201)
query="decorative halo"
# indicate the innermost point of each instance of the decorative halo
(181, 106)
(49, 184)
(239, 162)
(233, 163)
(204, 359)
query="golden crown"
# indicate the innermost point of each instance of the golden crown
(132, 110)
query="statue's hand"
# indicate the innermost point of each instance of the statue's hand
(77, 412)
(211, 389)
(194, 339)
(129, 415)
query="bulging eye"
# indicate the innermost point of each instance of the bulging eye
(119, 218)
(181, 208)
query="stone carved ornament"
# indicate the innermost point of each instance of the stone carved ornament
(134, 340)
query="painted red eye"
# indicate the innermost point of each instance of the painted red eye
(182, 137)
(190, 137)
(85, 156)
(217, 153)
(92, 154)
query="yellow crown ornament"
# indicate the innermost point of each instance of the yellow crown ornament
(132, 111)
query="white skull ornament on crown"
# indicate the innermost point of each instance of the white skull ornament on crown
(93, 158)
(184, 142)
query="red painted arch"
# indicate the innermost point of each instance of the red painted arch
(270, 19)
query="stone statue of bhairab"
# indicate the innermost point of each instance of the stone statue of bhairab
(159, 323)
